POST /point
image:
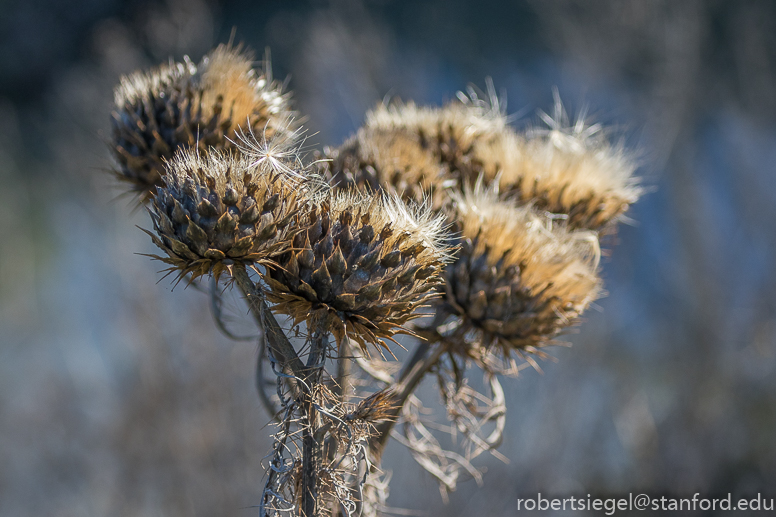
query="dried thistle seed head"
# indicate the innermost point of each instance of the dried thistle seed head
(392, 160)
(570, 170)
(187, 105)
(518, 281)
(565, 169)
(217, 210)
(367, 260)
(415, 151)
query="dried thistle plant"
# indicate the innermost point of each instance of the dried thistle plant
(500, 263)
(218, 210)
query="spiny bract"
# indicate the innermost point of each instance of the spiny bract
(191, 105)
(217, 210)
(517, 282)
(367, 260)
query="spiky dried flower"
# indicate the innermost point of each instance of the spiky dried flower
(191, 105)
(366, 261)
(571, 170)
(217, 210)
(518, 281)
(413, 150)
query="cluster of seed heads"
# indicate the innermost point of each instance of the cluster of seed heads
(444, 212)
(528, 209)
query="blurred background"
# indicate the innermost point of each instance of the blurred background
(118, 396)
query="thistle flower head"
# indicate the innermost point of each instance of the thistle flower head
(566, 168)
(412, 150)
(187, 105)
(216, 210)
(518, 281)
(368, 261)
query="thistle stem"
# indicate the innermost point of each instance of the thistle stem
(344, 385)
(311, 447)
(420, 364)
(279, 345)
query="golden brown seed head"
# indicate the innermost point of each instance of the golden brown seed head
(415, 151)
(367, 260)
(187, 105)
(517, 281)
(217, 210)
(571, 170)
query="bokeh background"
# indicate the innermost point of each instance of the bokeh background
(119, 397)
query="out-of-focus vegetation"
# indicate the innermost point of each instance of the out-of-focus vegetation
(117, 397)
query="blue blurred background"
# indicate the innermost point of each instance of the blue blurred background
(119, 397)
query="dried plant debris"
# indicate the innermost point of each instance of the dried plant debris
(519, 279)
(217, 210)
(478, 419)
(367, 260)
(342, 471)
(188, 105)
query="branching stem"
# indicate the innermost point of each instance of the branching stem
(416, 368)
